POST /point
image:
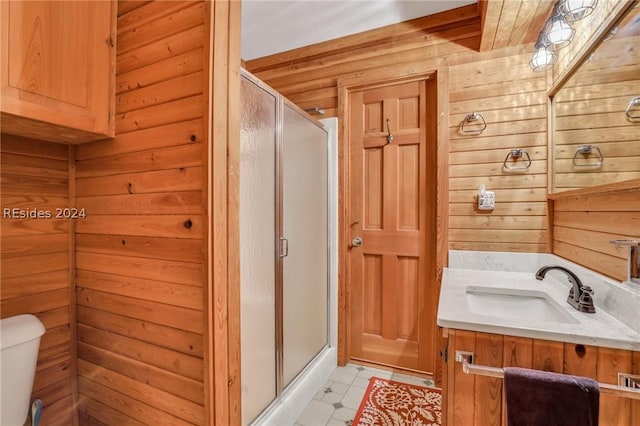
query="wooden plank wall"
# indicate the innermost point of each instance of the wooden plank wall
(584, 35)
(36, 263)
(512, 99)
(308, 76)
(140, 252)
(583, 225)
(508, 23)
(500, 85)
(590, 109)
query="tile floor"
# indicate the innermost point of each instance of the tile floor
(338, 400)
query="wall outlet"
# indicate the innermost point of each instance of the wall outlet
(486, 199)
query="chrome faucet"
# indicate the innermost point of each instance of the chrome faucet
(580, 296)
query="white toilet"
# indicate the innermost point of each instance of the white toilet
(19, 344)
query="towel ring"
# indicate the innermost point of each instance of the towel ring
(516, 154)
(470, 118)
(634, 102)
(587, 150)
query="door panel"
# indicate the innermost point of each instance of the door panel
(389, 272)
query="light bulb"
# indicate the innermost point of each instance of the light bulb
(574, 10)
(543, 59)
(557, 33)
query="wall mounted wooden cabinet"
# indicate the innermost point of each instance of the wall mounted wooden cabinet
(473, 400)
(57, 73)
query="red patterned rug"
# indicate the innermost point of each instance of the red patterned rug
(391, 403)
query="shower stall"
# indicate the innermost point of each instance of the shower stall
(284, 245)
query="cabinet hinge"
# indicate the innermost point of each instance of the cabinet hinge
(444, 354)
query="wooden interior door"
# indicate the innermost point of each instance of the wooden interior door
(392, 210)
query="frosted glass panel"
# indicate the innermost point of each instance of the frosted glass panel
(305, 227)
(257, 249)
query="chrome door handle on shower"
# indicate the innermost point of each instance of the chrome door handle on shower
(356, 242)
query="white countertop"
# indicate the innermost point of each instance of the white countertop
(597, 329)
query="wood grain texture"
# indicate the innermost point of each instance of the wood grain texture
(36, 259)
(479, 401)
(590, 109)
(58, 70)
(140, 257)
(584, 223)
(395, 215)
(222, 290)
(499, 84)
(512, 23)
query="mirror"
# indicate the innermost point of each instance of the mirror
(596, 113)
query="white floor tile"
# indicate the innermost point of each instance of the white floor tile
(353, 397)
(332, 397)
(360, 382)
(334, 422)
(344, 414)
(340, 388)
(316, 414)
(344, 374)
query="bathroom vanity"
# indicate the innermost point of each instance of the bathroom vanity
(510, 319)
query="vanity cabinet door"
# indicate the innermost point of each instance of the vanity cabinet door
(58, 72)
(473, 400)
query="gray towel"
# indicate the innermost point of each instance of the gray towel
(541, 398)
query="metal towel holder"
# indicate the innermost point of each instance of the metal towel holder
(516, 154)
(468, 367)
(470, 118)
(587, 150)
(634, 102)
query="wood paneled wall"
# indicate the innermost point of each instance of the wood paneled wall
(586, 34)
(585, 222)
(308, 76)
(590, 109)
(37, 262)
(509, 23)
(141, 250)
(473, 400)
(512, 99)
(500, 85)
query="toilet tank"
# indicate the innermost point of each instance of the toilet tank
(19, 344)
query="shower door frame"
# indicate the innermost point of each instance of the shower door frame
(281, 101)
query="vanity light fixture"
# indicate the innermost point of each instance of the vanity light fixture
(543, 59)
(574, 10)
(557, 33)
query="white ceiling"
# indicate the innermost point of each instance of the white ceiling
(274, 26)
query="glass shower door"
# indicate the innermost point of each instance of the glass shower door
(304, 225)
(257, 248)
(283, 244)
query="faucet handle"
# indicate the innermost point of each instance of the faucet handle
(585, 303)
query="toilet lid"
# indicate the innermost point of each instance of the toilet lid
(19, 329)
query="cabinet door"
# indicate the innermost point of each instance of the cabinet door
(58, 69)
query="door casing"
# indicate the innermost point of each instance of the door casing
(432, 69)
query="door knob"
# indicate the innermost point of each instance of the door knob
(356, 242)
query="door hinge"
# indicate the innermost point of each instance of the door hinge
(444, 354)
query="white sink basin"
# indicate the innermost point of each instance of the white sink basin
(532, 305)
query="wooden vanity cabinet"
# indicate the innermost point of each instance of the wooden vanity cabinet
(472, 400)
(58, 69)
